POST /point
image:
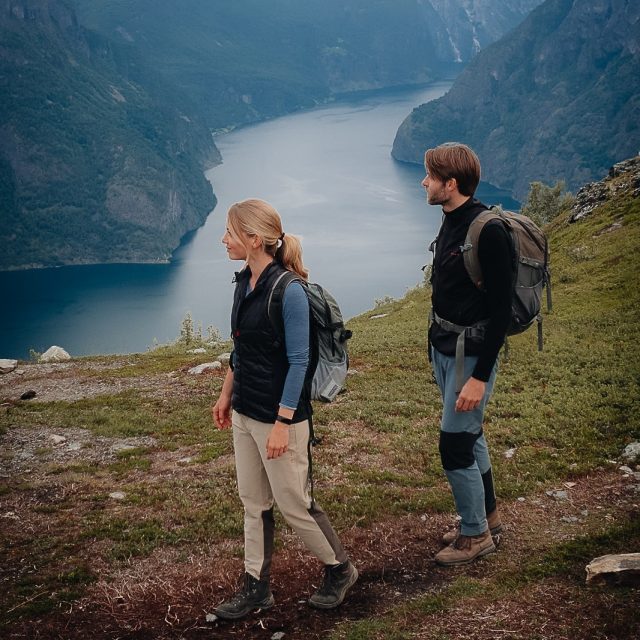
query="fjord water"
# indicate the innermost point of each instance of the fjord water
(363, 219)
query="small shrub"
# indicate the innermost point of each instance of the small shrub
(187, 331)
(544, 203)
(382, 302)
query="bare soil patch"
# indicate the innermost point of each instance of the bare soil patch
(71, 381)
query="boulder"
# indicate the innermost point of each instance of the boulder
(207, 366)
(54, 354)
(7, 366)
(615, 569)
(632, 452)
(224, 357)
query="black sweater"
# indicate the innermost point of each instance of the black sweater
(457, 299)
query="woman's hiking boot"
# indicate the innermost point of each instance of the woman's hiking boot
(493, 520)
(338, 580)
(254, 594)
(465, 549)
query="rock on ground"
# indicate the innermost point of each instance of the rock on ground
(7, 365)
(622, 569)
(631, 451)
(54, 354)
(207, 366)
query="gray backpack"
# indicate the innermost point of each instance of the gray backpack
(329, 359)
(531, 255)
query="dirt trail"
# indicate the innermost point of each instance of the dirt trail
(164, 596)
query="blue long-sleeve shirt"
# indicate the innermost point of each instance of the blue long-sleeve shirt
(295, 313)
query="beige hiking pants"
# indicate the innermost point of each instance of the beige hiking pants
(284, 479)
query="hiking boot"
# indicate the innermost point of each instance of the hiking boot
(493, 520)
(338, 580)
(255, 594)
(466, 549)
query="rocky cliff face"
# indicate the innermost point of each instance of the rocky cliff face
(472, 25)
(559, 98)
(623, 177)
(434, 35)
(89, 163)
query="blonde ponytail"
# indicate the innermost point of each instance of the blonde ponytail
(289, 255)
(255, 217)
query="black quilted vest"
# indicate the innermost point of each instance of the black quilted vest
(260, 358)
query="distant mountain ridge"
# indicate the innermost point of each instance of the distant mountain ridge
(248, 60)
(106, 108)
(92, 167)
(559, 98)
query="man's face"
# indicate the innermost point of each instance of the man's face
(436, 189)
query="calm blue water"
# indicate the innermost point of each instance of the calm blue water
(363, 218)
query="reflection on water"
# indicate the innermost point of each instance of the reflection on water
(362, 216)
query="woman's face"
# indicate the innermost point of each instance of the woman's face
(236, 248)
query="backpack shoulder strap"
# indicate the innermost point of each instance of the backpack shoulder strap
(470, 248)
(276, 297)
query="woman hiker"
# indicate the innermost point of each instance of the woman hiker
(265, 399)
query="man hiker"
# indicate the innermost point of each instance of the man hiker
(482, 317)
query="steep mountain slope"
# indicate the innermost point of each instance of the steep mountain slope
(92, 167)
(472, 25)
(246, 60)
(559, 98)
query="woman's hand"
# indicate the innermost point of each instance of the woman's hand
(221, 410)
(278, 441)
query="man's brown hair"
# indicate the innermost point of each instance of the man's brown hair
(454, 160)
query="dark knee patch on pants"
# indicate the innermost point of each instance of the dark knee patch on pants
(489, 492)
(456, 449)
(325, 526)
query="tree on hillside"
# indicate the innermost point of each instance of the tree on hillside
(544, 202)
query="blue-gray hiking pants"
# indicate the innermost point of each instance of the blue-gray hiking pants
(463, 448)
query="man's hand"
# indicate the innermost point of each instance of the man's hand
(471, 395)
(278, 441)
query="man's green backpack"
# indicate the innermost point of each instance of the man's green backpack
(531, 273)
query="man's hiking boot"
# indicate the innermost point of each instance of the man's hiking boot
(493, 520)
(338, 580)
(465, 549)
(254, 594)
